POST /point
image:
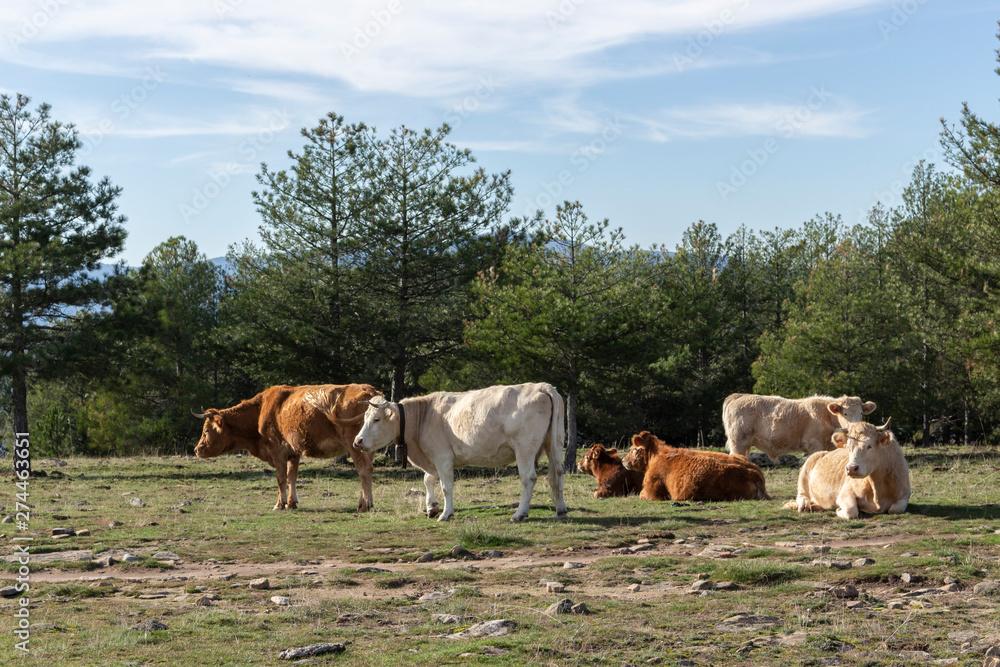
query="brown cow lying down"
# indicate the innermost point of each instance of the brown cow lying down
(685, 474)
(777, 425)
(282, 424)
(866, 473)
(613, 479)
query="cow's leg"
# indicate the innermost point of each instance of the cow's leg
(293, 475)
(526, 469)
(899, 506)
(847, 504)
(446, 474)
(281, 469)
(363, 464)
(556, 487)
(430, 482)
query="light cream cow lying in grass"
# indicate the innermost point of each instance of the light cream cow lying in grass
(866, 473)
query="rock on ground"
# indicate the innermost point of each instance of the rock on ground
(313, 649)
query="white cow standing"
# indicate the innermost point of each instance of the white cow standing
(490, 427)
(866, 473)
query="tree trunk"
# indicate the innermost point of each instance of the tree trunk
(398, 375)
(569, 461)
(19, 416)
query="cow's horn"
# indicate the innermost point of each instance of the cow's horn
(199, 416)
(885, 425)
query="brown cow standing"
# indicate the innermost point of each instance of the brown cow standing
(684, 474)
(282, 424)
(613, 479)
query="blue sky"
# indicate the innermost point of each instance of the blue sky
(653, 114)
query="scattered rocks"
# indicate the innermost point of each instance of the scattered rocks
(491, 553)
(833, 564)
(7, 519)
(64, 530)
(131, 558)
(496, 628)
(564, 606)
(570, 565)
(281, 601)
(702, 585)
(580, 608)
(136, 502)
(261, 584)
(554, 587)
(635, 588)
(727, 586)
(895, 604)
(426, 558)
(166, 555)
(863, 562)
(83, 532)
(8, 592)
(311, 650)
(105, 561)
(149, 626)
(115, 524)
(376, 570)
(951, 560)
(951, 588)
(203, 601)
(908, 554)
(908, 578)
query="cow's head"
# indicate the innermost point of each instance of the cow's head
(381, 426)
(643, 446)
(863, 443)
(849, 409)
(595, 455)
(215, 435)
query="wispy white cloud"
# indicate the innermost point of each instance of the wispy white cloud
(424, 50)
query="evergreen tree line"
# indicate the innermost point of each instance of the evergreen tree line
(391, 259)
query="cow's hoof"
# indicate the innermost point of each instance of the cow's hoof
(446, 517)
(562, 515)
(517, 518)
(433, 511)
(362, 507)
(278, 506)
(293, 506)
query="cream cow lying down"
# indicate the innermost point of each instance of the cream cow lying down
(866, 473)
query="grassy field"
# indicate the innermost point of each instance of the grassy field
(214, 516)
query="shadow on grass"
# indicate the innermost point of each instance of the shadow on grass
(990, 512)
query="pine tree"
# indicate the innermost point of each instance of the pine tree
(55, 227)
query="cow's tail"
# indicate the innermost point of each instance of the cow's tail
(325, 400)
(557, 426)
(729, 424)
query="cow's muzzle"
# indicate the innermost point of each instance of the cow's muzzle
(853, 471)
(360, 444)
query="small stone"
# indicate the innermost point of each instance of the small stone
(845, 592)
(702, 585)
(376, 570)
(908, 578)
(570, 565)
(856, 604)
(59, 517)
(65, 530)
(635, 588)
(64, 536)
(203, 601)
(951, 588)
(908, 554)
(641, 547)
(136, 502)
(345, 619)
(281, 601)
(149, 626)
(863, 562)
(115, 524)
(564, 606)
(895, 604)
(105, 561)
(986, 588)
(496, 628)
(131, 558)
(654, 661)
(311, 650)
(8, 592)
(580, 608)
(436, 596)
(491, 553)
(459, 551)
(83, 532)
(8, 519)
(555, 587)
(445, 619)
(166, 555)
(950, 580)
(951, 560)
(727, 586)
(426, 558)
(261, 584)
(833, 564)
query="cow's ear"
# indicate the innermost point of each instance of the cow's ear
(839, 438)
(868, 407)
(885, 437)
(836, 408)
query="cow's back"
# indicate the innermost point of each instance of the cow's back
(694, 475)
(482, 427)
(290, 415)
(776, 425)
